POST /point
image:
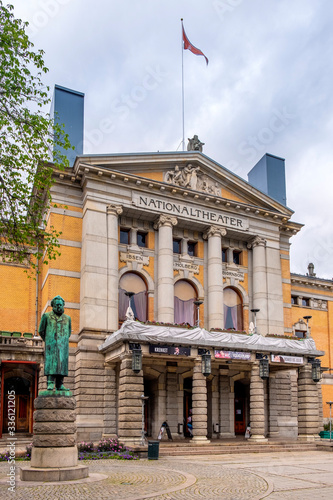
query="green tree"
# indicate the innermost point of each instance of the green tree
(28, 138)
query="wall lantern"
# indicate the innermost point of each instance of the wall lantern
(136, 357)
(316, 370)
(206, 363)
(264, 368)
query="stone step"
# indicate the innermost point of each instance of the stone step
(227, 449)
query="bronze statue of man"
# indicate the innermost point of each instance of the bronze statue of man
(55, 330)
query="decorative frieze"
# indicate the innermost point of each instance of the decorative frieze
(191, 177)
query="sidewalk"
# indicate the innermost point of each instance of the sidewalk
(252, 476)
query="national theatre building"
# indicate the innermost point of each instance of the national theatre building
(176, 274)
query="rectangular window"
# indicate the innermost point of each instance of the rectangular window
(237, 257)
(294, 300)
(176, 246)
(224, 255)
(192, 248)
(142, 240)
(305, 302)
(124, 236)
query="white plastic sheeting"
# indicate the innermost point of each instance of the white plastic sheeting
(133, 331)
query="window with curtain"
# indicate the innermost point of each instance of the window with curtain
(132, 282)
(233, 310)
(185, 295)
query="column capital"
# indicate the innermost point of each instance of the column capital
(256, 242)
(114, 209)
(165, 220)
(214, 231)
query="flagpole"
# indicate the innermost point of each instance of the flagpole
(183, 107)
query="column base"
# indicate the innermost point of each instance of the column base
(308, 437)
(200, 440)
(257, 438)
(52, 474)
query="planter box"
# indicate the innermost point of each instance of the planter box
(325, 434)
(16, 334)
(6, 334)
(28, 335)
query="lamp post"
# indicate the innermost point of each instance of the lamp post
(143, 400)
(255, 311)
(307, 318)
(198, 304)
(330, 403)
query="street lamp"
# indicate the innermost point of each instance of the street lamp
(198, 304)
(307, 318)
(255, 311)
(330, 403)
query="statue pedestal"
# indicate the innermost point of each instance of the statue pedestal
(54, 455)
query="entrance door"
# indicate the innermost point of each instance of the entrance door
(188, 407)
(240, 425)
(22, 413)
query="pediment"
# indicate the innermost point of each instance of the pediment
(190, 171)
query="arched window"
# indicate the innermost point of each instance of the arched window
(233, 310)
(132, 282)
(185, 295)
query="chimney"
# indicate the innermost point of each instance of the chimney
(67, 108)
(268, 175)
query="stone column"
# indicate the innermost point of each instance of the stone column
(257, 406)
(165, 280)
(113, 212)
(308, 407)
(259, 300)
(214, 277)
(110, 401)
(130, 406)
(199, 404)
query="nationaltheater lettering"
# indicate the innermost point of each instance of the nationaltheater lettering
(183, 210)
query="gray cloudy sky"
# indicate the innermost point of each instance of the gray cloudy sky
(267, 88)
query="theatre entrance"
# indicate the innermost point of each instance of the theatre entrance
(188, 407)
(18, 391)
(242, 406)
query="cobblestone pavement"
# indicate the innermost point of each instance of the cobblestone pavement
(273, 476)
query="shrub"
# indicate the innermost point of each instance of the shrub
(85, 447)
(111, 445)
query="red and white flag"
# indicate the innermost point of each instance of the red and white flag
(189, 46)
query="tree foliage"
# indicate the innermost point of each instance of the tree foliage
(28, 138)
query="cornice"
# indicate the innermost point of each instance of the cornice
(85, 171)
(311, 281)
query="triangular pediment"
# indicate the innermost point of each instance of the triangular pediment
(187, 170)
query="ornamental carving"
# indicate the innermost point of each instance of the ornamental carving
(214, 231)
(191, 177)
(165, 220)
(114, 209)
(256, 242)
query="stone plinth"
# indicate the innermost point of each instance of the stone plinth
(54, 455)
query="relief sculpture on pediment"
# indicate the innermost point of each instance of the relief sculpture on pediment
(191, 177)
